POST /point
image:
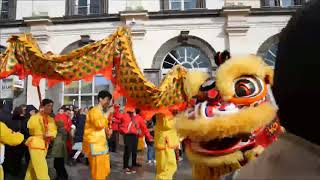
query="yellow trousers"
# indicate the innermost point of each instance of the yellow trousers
(166, 164)
(1, 173)
(38, 167)
(99, 166)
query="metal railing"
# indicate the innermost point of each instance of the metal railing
(86, 10)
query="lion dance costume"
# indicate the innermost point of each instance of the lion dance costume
(230, 120)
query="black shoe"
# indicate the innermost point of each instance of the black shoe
(137, 165)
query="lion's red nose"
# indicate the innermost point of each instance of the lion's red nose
(213, 93)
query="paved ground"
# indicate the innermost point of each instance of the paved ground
(147, 172)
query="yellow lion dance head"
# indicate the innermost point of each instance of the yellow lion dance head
(231, 119)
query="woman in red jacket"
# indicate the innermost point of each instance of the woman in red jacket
(132, 126)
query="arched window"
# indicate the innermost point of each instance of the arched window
(268, 50)
(188, 51)
(187, 56)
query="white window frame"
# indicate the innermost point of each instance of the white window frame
(76, 7)
(79, 94)
(182, 4)
(164, 71)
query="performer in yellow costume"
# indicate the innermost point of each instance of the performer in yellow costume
(7, 136)
(96, 131)
(42, 129)
(166, 141)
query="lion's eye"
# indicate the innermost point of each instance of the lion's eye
(247, 87)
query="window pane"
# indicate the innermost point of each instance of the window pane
(169, 62)
(287, 3)
(94, 6)
(100, 83)
(83, 2)
(192, 53)
(271, 3)
(82, 7)
(74, 100)
(189, 4)
(203, 61)
(86, 101)
(175, 4)
(72, 88)
(86, 87)
(4, 8)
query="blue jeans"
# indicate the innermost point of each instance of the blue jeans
(151, 154)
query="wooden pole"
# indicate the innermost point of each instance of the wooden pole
(39, 94)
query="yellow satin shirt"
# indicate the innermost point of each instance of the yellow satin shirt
(7, 136)
(37, 131)
(165, 133)
(94, 137)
